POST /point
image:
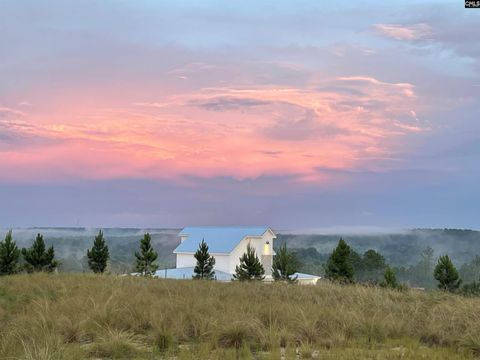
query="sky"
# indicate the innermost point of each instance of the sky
(294, 115)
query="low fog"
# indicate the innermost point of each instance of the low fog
(400, 247)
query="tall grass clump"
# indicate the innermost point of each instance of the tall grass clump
(78, 316)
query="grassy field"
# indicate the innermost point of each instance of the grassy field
(94, 317)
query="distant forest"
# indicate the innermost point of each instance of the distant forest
(411, 253)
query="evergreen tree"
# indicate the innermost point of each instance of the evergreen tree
(339, 268)
(205, 263)
(37, 258)
(9, 255)
(373, 260)
(446, 274)
(373, 267)
(250, 267)
(285, 264)
(147, 256)
(357, 262)
(98, 255)
(389, 279)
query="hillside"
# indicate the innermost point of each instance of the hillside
(71, 245)
(80, 316)
(403, 250)
(400, 248)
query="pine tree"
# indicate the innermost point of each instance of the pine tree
(339, 267)
(37, 258)
(446, 274)
(147, 256)
(250, 267)
(285, 264)
(98, 255)
(389, 279)
(9, 255)
(205, 263)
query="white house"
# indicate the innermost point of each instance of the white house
(227, 245)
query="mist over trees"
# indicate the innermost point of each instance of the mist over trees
(412, 254)
(420, 274)
(345, 263)
(470, 271)
(400, 248)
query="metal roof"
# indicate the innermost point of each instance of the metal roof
(302, 276)
(220, 240)
(187, 273)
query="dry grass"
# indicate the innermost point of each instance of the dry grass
(90, 317)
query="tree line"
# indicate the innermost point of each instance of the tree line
(33, 259)
(38, 258)
(341, 264)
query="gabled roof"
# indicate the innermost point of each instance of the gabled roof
(220, 240)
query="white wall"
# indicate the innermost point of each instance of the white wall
(222, 261)
(307, 281)
(185, 260)
(260, 246)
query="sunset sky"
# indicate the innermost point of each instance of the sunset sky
(292, 114)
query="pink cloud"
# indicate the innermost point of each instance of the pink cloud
(419, 31)
(6, 112)
(240, 132)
